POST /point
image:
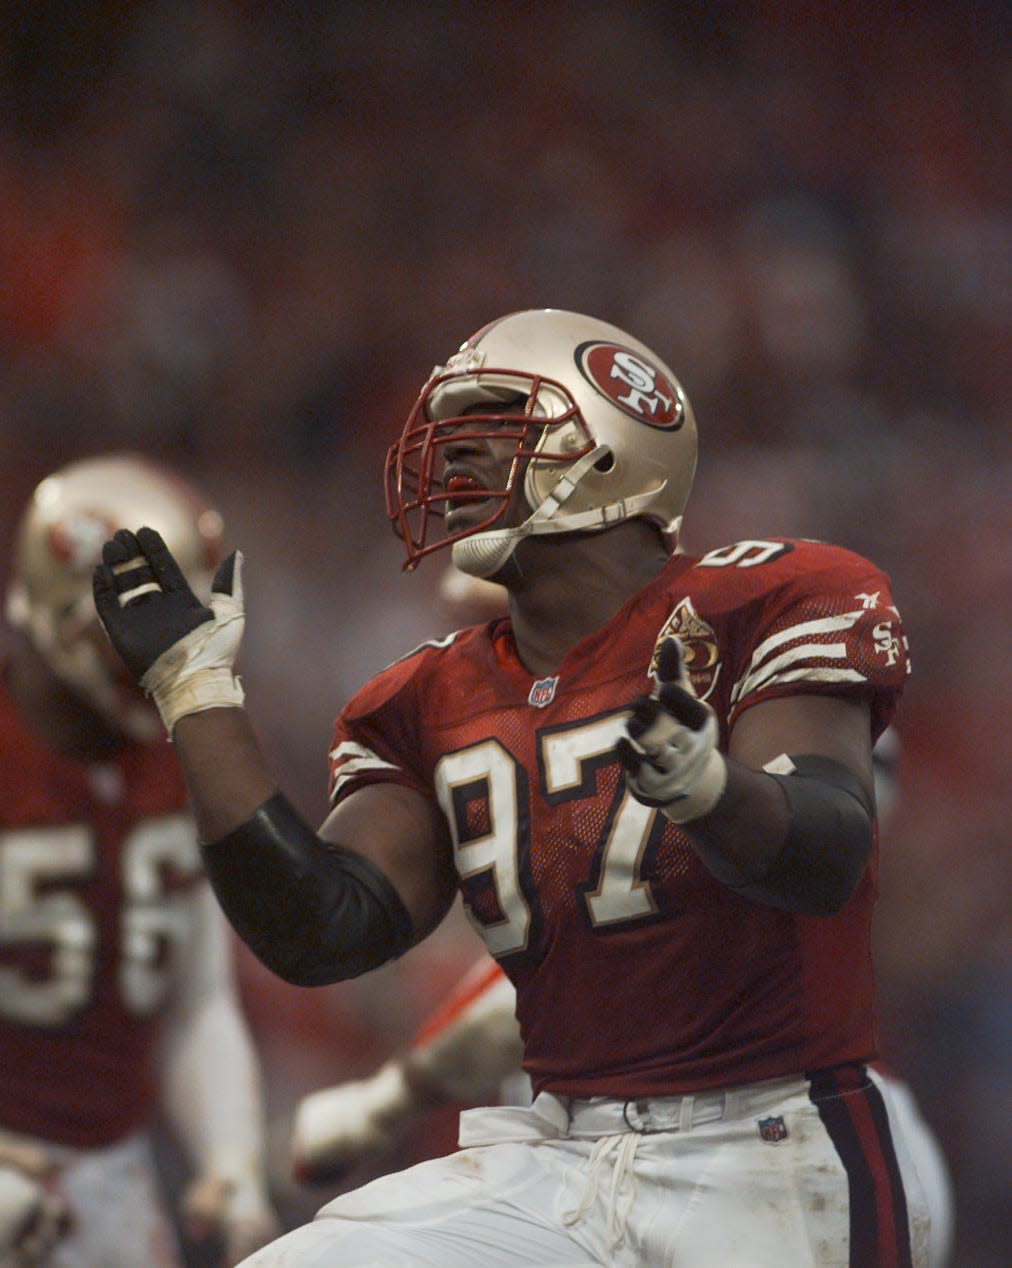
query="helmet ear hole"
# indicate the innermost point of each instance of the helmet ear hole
(605, 463)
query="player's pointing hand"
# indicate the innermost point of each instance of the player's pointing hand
(669, 751)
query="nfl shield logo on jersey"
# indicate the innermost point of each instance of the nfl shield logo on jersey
(772, 1130)
(543, 692)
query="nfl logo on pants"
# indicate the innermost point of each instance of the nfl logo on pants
(772, 1130)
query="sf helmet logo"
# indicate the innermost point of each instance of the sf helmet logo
(76, 540)
(629, 381)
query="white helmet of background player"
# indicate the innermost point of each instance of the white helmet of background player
(606, 434)
(59, 541)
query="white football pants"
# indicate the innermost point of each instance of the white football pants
(792, 1172)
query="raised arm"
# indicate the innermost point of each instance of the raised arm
(374, 880)
(314, 907)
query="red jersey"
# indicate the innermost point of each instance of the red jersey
(94, 862)
(636, 972)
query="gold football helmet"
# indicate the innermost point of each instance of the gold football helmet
(605, 433)
(59, 541)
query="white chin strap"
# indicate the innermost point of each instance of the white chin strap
(483, 554)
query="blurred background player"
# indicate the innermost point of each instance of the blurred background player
(118, 1007)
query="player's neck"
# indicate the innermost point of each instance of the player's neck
(566, 587)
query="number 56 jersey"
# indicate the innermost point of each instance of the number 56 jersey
(636, 972)
(96, 866)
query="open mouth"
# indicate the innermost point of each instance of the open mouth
(463, 491)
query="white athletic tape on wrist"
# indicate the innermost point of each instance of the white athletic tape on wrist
(196, 673)
(202, 690)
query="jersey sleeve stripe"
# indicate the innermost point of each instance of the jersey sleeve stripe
(761, 669)
(760, 677)
(806, 629)
(811, 673)
(352, 759)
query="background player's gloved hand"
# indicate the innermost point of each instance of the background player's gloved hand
(234, 1213)
(181, 651)
(670, 751)
(33, 1219)
(340, 1127)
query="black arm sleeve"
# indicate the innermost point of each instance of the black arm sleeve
(828, 840)
(312, 912)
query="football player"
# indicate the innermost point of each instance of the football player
(652, 785)
(118, 1006)
(469, 1051)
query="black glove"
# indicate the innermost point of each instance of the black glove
(143, 599)
(181, 652)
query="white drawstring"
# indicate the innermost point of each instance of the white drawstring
(624, 1148)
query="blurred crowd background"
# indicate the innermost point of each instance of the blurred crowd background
(238, 236)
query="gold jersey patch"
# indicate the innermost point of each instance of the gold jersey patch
(702, 657)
